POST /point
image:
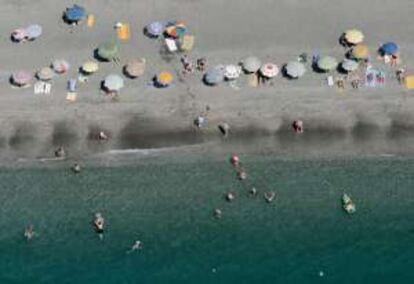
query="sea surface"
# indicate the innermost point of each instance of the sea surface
(304, 236)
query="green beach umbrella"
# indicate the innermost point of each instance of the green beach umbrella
(108, 50)
(327, 63)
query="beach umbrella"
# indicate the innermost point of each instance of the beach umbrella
(60, 66)
(22, 77)
(327, 63)
(165, 78)
(34, 31)
(155, 28)
(349, 65)
(214, 75)
(389, 48)
(108, 50)
(45, 74)
(269, 70)
(75, 13)
(360, 51)
(175, 31)
(251, 64)
(354, 36)
(295, 69)
(90, 67)
(113, 82)
(135, 67)
(232, 72)
(19, 34)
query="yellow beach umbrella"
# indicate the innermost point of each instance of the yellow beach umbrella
(90, 67)
(165, 78)
(360, 51)
(354, 36)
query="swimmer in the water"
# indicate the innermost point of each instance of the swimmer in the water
(138, 245)
(29, 233)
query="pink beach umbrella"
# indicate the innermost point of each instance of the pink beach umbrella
(60, 66)
(22, 78)
(19, 35)
(269, 70)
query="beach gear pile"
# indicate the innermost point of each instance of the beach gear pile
(174, 33)
(29, 33)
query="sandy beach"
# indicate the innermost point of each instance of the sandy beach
(226, 31)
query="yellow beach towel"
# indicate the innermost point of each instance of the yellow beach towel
(409, 82)
(123, 32)
(90, 21)
(71, 96)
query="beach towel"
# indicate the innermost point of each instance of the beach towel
(72, 85)
(90, 21)
(123, 32)
(71, 96)
(409, 82)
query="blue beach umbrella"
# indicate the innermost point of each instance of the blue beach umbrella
(214, 76)
(155, 29)
(75, 13)
(389, 48)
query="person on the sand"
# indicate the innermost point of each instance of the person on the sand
(298, 126)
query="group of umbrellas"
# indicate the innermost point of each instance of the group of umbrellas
(23, 78)
(29, 33)
(173, 29)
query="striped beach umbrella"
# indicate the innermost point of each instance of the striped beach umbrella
(269, 70)
(251, 64)
(22, 78)
(214, 75)
(295, 69)
(135, 67)
(108, 50)
(360, 51)
(165, 78)
(354, 36)
(113, 82)
(389, 48)
(90, 67)
(45, 74)
(232, 72)
(60, 66)
(349, 65)
(327, 63)
(34, 31)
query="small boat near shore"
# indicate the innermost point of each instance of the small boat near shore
(99, 223)
(348, 204)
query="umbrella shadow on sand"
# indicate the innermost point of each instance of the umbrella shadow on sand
(64, 134)
(99, 58)
(23, 137)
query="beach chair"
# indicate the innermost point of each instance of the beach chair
(123, 32)
(171, 45)
(71, 96)
(39, 88)
(90, 20)
(47, 88)
(187, 43)
(330, 81)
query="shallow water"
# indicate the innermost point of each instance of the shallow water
(167, 203)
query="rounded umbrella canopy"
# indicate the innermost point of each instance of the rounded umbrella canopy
(108, 50)
(90, 67)
(232, 72)
(22, 77)
(349, 65)
(295, 69)
(251, 64)
(19, 34)
(389, 48)
(136, 67)
(269, 70)
(354, 36)
(113, 82)
(75, 13)
(45, 74)
(60, 66)
(327, 63)
(214, 75)
(164, 78)
(360, 51)
(155, 28)
(34, 31)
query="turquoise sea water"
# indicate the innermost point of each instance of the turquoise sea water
(168, 206)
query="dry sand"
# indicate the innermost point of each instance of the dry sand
(226, 31)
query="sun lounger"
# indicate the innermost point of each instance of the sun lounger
(171, 45)
(71, 96)
(39, 88)
(330, 81)
(123, 32)
(47, 88)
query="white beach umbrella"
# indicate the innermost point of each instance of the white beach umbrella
(349, 65)
(251, 64)
(269, 70)
(45, 74)
(295, 69)
(232, 72)
(113, 82)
